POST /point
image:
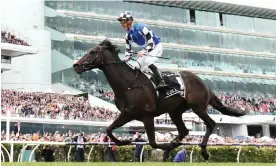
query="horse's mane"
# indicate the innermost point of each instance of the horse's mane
(112, 48)
(110, 45)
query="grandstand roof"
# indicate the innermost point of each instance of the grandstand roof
(15, 50)
(219, 7)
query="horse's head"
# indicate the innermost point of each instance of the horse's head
(103, 54)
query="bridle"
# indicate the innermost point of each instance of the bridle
(88, 65)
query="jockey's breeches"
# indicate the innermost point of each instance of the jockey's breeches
(145, 61)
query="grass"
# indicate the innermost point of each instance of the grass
(135, 164)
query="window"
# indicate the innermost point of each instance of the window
(5, 59)
(192, 16)
(220, 19)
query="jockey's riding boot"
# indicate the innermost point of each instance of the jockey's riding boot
(160, 81)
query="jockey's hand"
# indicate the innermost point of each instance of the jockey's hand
(140, 54)
(126, 58)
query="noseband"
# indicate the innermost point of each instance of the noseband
(88, 65)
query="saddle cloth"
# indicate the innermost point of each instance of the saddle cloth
(174, 81)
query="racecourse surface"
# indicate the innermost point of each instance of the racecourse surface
(135, 164)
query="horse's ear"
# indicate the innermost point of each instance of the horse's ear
(104, 40)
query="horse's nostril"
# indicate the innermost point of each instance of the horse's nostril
(76, 65)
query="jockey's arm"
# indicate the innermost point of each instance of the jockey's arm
(128, 45)
(149, 36)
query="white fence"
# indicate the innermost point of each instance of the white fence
(92, 144)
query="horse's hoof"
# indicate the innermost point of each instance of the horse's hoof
(186, 133)
(205, 154)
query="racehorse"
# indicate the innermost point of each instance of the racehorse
(137, 99)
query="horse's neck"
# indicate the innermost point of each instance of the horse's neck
(120, 77)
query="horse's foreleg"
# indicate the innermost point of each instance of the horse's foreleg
(149, 126)
(121, 120)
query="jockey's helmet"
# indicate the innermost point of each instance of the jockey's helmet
(125, 16)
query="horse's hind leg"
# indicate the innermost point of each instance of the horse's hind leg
(121, 120)
(210, 123)
(149, 126)
(176, 117)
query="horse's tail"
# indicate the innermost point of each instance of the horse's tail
(216, 103)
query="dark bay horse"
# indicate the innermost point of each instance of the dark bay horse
(137, 99)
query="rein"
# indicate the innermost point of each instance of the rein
(88, 65)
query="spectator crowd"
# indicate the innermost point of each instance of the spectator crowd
(51, 105)
(9, 37)
(109, 152)
(255, 103)
(98, 137)
(96, 88)
(58, 106)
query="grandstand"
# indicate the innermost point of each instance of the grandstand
(206, 43)
(13, 45)
(43, 91)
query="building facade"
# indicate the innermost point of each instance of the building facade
(199, 40)
(234, 55)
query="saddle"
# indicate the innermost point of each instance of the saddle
(174, 81)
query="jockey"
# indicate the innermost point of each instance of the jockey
(140, 34)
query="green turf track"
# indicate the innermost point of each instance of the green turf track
(136, 164)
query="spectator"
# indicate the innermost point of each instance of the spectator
(110, 149)
(138, 148)
(48, 153)
(80, 139)
(17, 128)
(180, 156)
